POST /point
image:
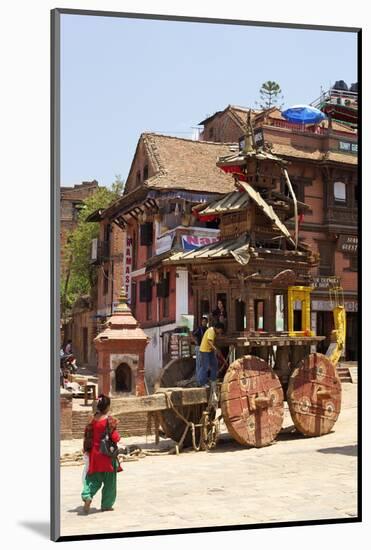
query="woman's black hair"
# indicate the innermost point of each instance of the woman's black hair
(104, 403)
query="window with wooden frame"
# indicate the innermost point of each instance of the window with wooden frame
(340, 193)
(145, 290)
(327, 256)
(163, 292)
(353, 263)
(279, 302)
(134, 250)
(298, 188)
(146, 234)
(133, 297)
(259, 311)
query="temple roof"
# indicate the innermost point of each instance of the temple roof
(122, 325)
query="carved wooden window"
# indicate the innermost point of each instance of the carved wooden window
(240, 313)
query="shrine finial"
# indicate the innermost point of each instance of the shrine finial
(123, 302)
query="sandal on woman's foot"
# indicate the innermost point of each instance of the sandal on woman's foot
(87, 506)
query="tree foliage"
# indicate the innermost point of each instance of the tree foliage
(80, 275)
(270, 95)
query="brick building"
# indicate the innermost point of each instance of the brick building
(80, 328)
(168, 176)
(323, 169)
(71, 199)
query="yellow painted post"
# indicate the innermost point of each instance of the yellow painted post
(301, 293)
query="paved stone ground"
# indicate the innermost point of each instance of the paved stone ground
(295, 479)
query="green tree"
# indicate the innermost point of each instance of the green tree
(270, 95)
(80, 276)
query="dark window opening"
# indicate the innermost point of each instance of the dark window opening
(146, 234)
(134, 250)
(298, 189)
(214, 224)
(145, 172)
(259, 311)
(240, 315)
(163, 286)
(133, 297)
(145, 290)
(353, 263)
(123, 378)
(297, 320)
(137, 178)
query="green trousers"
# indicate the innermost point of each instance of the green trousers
(93, 483)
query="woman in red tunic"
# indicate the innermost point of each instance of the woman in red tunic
(102, 468)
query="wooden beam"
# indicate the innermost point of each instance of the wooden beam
(158, 401)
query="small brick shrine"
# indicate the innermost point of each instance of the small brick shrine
(120, 348)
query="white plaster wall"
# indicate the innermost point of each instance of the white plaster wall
(181, 293)
(153, 353)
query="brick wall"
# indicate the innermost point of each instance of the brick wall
(131, 424)
(66, 414)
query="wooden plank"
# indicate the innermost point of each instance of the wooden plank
(158, 401)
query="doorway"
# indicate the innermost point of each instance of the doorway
(123, 378)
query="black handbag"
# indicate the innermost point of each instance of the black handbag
(107, 446)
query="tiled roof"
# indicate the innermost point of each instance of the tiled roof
(289, 151)
(186, 164)
(238, 113)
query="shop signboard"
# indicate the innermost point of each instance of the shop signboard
(190, 242)
(325, 282)
(164, 243)
(348, 244)
(351, 306)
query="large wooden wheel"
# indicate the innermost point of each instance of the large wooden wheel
(314, 395)
(174, 372)
(252, 402)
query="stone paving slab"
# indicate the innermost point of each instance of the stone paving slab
(295, 479)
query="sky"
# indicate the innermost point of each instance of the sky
(121, 77)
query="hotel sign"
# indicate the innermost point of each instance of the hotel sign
(348, 244)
